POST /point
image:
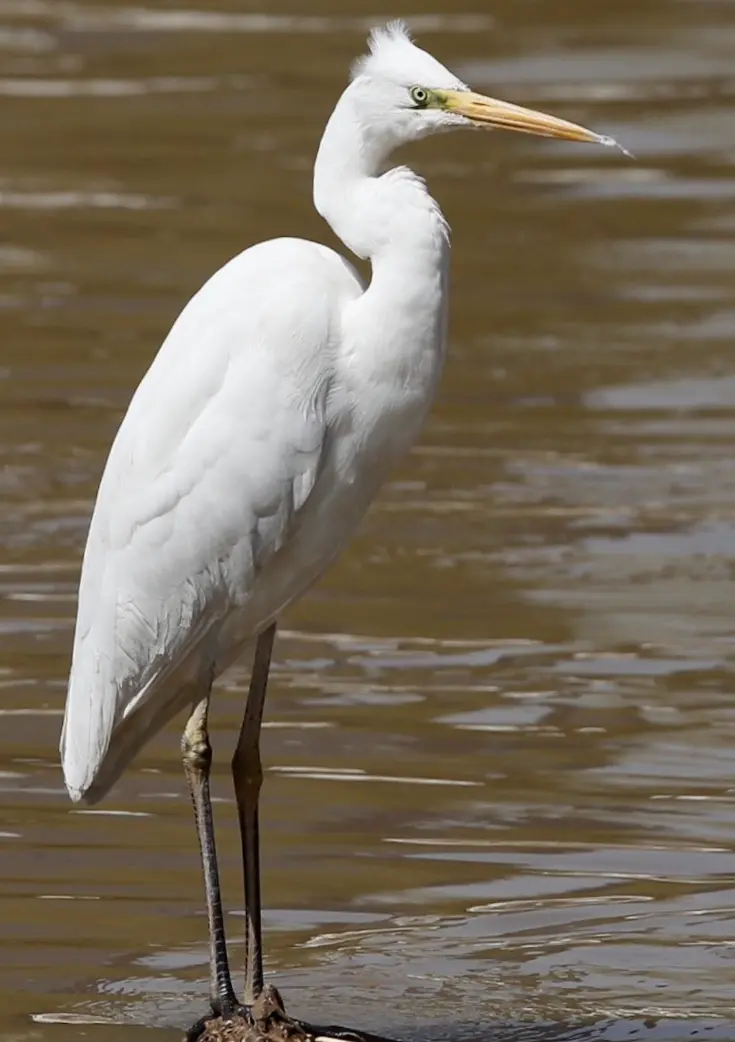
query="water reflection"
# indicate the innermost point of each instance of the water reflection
(499, 744)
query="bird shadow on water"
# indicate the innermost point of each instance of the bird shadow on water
(605, 1030)
(602, 1030)
(272, 1024)
(462, 1028)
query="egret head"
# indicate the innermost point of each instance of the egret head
(401, 93)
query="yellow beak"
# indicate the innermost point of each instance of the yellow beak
(493, 113)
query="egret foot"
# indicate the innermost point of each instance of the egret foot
(234, 1014)
(265, 1021)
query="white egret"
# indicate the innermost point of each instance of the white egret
(264, 427)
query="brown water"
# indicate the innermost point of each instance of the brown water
(500, 733)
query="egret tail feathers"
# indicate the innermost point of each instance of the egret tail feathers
(95, 752)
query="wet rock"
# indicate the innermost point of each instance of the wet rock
(268, 1022)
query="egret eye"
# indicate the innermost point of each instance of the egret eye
(420, 97)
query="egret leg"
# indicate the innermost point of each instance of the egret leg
(196, 753)
(247, 774)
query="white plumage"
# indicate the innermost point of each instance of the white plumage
(222, 447)
(254, 444)
(244, 460)
(266, 423)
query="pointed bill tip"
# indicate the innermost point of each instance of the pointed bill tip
(503, 115)
(611, 142)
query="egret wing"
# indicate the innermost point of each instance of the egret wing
(220, 448)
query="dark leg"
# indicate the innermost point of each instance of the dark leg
(247, 774)
(196, 753)
(263, 1019)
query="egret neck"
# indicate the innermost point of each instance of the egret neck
(388, 217)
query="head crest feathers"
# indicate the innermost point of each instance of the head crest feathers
(392, 55)
(394, 35)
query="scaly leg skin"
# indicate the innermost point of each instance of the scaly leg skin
(196, 753)
(267, 1020)
(263, 1018)
(247, 775)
